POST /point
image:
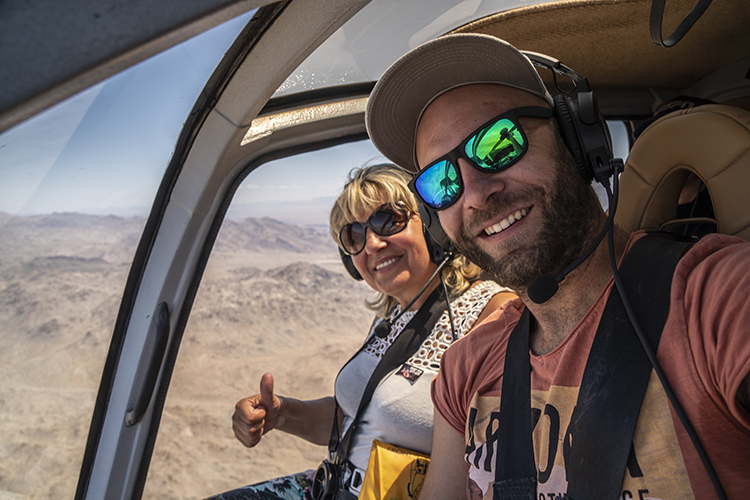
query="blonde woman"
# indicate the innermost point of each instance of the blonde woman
(376, 223)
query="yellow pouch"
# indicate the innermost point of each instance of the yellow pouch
(393, 473)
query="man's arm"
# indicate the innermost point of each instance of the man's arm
(448, 472)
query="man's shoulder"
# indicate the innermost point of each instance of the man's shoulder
(464, 368)
(487, 336)
(715, 256)
(713, 247)
(715, 241)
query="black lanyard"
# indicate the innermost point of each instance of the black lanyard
(407, 343)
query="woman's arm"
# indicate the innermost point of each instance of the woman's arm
(255, 416)
(448, 472)
(311, 420)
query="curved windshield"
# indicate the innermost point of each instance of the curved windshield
(394, 27)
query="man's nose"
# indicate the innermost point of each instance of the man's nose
(479, 186)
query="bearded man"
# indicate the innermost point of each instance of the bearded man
(470, 116)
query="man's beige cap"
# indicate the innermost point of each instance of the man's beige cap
(406, 88)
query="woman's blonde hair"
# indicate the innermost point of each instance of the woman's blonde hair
(368, 188)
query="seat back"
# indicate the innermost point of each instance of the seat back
(711, 141)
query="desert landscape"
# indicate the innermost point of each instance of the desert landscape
(274, 297)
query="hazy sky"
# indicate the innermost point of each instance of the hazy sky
(104, 150)
(107, 147)
(302, 188)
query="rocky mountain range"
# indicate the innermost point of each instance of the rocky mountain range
(115, 238)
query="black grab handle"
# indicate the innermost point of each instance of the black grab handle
(160, 330)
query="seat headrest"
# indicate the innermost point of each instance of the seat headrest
(711, 141)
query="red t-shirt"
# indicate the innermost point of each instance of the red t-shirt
(704, 351)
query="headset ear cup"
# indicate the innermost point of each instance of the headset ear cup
(438, 243)
(437, 253)
(346, 259)
(566, 119)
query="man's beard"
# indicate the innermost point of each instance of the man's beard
(569, 225)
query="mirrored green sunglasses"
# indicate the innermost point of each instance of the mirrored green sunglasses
(493, 147)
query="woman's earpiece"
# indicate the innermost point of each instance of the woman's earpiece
(438, 242)
(346, 259)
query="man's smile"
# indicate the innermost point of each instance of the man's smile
(506, 222)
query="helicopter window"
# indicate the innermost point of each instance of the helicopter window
(274, 298)
(76, 184)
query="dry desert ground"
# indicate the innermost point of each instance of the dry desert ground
(268, 301)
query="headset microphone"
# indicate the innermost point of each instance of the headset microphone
(544, 287)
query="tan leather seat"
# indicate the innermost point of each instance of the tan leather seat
(713, 142)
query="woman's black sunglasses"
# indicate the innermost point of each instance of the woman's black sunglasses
(493, 147)
(385, 221)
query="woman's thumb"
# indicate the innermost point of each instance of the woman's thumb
(266, 390)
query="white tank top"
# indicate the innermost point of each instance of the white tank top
(400, 411)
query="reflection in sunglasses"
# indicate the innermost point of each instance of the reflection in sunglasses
(493, 147)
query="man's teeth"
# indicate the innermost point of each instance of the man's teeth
(506, 223)
(386, 263)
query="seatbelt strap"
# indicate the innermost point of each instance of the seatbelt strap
(614, 381)
(599, 438)
(515, 468)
